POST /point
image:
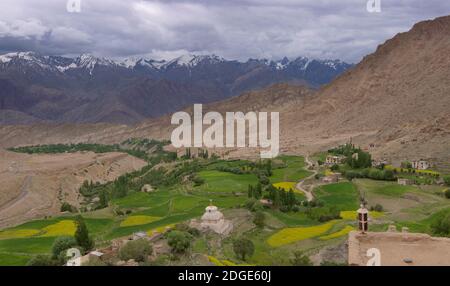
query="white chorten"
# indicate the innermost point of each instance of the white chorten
(214, 220)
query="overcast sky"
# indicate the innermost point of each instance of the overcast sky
(234, 29)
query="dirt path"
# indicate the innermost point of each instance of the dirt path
(299, 186)
(23, 192)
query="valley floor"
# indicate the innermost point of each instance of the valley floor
(416, 207)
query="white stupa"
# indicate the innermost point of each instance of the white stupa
(213, 220)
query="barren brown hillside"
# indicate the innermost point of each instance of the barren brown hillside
(398, 98)
(34, 186)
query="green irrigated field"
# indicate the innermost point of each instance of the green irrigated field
(225, 182)
(344, 196)
(293, 172)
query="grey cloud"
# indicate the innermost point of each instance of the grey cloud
(236, 29)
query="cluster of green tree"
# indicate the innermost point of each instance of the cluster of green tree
(346, 150)
(187, 155)
(203, 154)
(66, 148)
(284, 201)
(263, 170)
(233, 170)
(66, 207)
(155, 157)
(371, 173)
(180, 241)
(134, 181)
(355, 157)
(146, 143)
(139, 250)
(81, 241)
(255, 191)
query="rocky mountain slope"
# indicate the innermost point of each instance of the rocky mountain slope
(87, 89)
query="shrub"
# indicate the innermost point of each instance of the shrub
(243, 248)
(441, 226)
(136, 249)
(259, 219)
(179, 241)
(61, 244)
(66, 207)
(447, 193)
(377, 208)
(447, 180)
(300, 259)
(186, 228)
(198, 181)
(335, 167)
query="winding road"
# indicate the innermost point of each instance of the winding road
(299, 186)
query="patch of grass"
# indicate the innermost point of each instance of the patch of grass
(31, 245)
(224, 182)
(140, 200)
(343, 196)
(392, 190)
(293, 172)
(12, 259)
(291, 235)
(291, 218)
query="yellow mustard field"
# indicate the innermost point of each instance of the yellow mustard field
(18, 233)
(405, 170)
(218, 262)
(138, 220)
(340, 233)
(62, 228)
(286, 186)
(294, 234)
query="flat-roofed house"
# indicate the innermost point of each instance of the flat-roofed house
(334, 160)
(421, 164)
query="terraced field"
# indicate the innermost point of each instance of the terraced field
(284, 232)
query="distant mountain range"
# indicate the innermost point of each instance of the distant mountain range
(88, 89)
